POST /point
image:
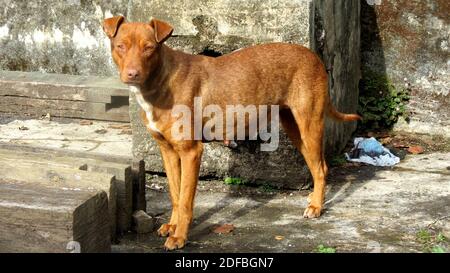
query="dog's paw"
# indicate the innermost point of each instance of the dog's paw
(167, 230)
(312, 212)
(173, 243)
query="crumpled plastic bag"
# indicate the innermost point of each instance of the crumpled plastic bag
(370, 151)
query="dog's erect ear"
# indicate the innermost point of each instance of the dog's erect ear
(111, 25)
(162, 30)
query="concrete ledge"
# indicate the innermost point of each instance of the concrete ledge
(36, 94)
(44, 218)
(129, 191)
(61, 177)
(420, 127)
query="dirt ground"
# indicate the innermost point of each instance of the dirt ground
(77, 135)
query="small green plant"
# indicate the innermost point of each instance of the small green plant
(381, 103)
(437, 249)
(266, 187)
(234, 181)
(423, 236)
(338, 161)
(431, 242)
(441, 238)
(324, 249)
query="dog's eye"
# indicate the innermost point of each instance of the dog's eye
(121, 47)
(149, 47)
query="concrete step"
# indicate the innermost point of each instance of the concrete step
(36, 94)
(119, 177)
(63, 178)
(121, 172)
(44, 217)
(91, 161)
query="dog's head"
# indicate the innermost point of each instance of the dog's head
(136, 47)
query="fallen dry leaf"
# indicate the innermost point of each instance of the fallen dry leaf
(416, 150)
(223, 229)
(279, 237)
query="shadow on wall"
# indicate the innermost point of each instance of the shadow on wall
(377, 95)
(372, 53)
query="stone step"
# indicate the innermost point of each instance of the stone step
(44, 217)
(61, 177)
(129, 182)
(69, 96)
(122, 173)
(61, 108)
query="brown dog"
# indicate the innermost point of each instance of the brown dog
(290, 76)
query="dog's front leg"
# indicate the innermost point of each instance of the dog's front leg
(172, 165)
(190, 156)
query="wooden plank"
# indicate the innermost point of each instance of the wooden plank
(124, 188)
(112, 83)
(122, 172)
(75, 109)
(61, 86)
(62, 108)
(138, 166)
(54, 92)
(40, 218)
(65, 152)
(139, 200)
(37, 94)
(65, 179)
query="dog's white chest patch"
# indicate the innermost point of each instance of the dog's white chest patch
(147, 107)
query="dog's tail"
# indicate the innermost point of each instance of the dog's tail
(333, 113)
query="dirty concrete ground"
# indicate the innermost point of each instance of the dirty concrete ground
(368, 209)
(77, 135)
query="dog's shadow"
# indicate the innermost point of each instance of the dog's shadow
(252, 202)
(238, 205)
(342, 183)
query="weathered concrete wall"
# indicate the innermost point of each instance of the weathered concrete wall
(66, 36)
(408, 40)
(57, 36)
(224, 25)
(208, 26)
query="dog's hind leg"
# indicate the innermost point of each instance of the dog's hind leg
(306, 133)
(311, 134)
(293, 132)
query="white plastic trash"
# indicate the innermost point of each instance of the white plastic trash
(370, 151)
